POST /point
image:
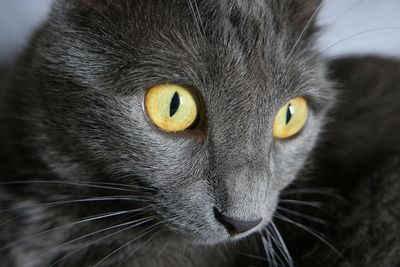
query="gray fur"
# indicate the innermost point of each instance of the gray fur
(74, 113)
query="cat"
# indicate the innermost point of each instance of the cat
(76, 115)
(87, 179)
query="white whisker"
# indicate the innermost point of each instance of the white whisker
(306, 28)
(141, 234)
(129, 224)
(84, 220)
(276, 258)
(346, 11)
(99, 185)
(282, 245)
(312, 232)
(74, 201)
(154, 235)
(311, 204)
(349, 37)
(305, 216)
(267, 247)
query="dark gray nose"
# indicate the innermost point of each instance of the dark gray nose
(235, 226)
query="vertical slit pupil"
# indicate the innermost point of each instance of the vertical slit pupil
(289, 113)
(174, 106)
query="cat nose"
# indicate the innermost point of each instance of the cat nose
(235, 226)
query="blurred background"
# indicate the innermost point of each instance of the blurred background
(349, 26)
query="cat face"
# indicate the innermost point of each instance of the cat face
(242, 62)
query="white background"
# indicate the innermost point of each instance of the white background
(373, 24)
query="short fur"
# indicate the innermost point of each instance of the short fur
(74, 114)
(75, 130)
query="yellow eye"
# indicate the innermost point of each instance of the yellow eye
(172, 108)
(290, 118)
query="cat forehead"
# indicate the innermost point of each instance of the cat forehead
(237, 43)
(244, 5)
(300, 9)
(205, 10)
(257, 19)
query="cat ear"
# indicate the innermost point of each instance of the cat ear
(304, 12)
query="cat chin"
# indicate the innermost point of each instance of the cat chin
(225, 239)
(200, 238)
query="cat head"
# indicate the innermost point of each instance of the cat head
(245, 67)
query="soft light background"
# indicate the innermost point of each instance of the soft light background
(360, 26)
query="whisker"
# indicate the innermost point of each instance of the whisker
(83, 200)
(8, 117)
(196, 17)
(99, 185)
(349, 37)
(312, 204)
(306, 28)
(282, 244)
(251, 256)
(11, 220)
(345, 12)
(141, 234)
(272, 241)
(154, 235)
(122, 185)
(275, 256)
(196, 5)
(130, 225)
(305, 216)
(84, 220)
(267, 248)
(312, 232)
(164, 248)
(313, 191)
(136, 223)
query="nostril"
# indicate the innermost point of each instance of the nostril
(235, 226)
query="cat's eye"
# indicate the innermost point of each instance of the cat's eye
(291, 118)
(172, 108)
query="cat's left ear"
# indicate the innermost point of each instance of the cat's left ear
(304, 12)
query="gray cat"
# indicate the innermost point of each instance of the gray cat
(160, 133)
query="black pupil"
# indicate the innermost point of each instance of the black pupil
(289, 114)
(175, 102)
